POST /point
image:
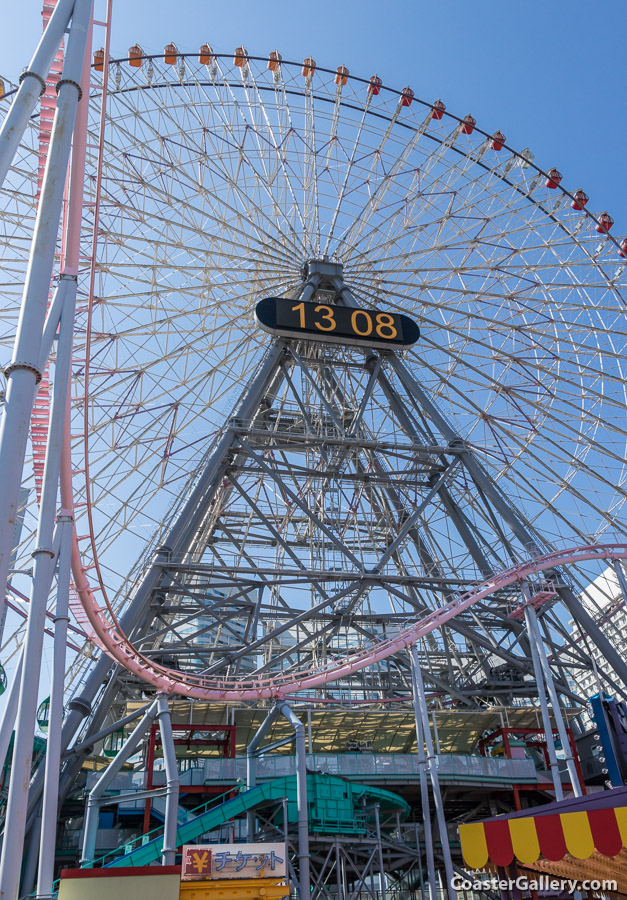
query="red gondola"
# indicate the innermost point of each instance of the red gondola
(604, 223)
(468, 125)
(554, 178)
(407, 95)
(241, 57)
(135, 55)
(375, 85)
(341, 75)
(205, 55)
(498, 139)
(274, 60)
(309, 66)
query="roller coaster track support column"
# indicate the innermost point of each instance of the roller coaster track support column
(45, 553)
(24, 371)
(252, 752)
(53, 751)
(377, 822)
(72, 224)
(544, 706)
(304, 877)
(98, 790)
(534, 634)
(424, 794)
(32, 85)
(170, 825)
(420, 697)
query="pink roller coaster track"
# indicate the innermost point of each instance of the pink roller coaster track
(99, 621)
(101, 625)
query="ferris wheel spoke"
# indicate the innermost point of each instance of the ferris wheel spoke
(461, 215)
(224, 222)
(262, 184)
(533, 493)
(280, 145)
(530, 403)
(564, 376)
(234, 219)
(348, 168)
(478, 189)
(219, 184)
(531, 334)
(378, 196)
(305, 137)
(401, 207)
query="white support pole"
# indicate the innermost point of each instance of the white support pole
(31, 854)
(23, 373)
(7, 723)
(170, 826)
(32, 85)
(55, 723)
(424, 792)
(90, 829)
(45, 559)
(544, 707)
(50, 328)
(62, 312)
(532, 620)
(433, 772)
(251, 763)
(377, 821)
(338, 871)
(420, 872)
(304, 878)
(15, 819)
(309, 734)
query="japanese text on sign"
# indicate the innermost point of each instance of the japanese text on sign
(216, 861)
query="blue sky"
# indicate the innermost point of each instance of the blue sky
(551, 76)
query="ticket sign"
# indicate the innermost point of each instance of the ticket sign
(335, 324)
(202, 862)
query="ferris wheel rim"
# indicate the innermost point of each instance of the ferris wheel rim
(445, 113)
(528, 198)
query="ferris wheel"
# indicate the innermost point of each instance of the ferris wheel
(213, 181)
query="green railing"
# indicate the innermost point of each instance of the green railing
(142, 839)
(99, 862)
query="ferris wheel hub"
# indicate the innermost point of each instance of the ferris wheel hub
(323, 269)
(429, 223)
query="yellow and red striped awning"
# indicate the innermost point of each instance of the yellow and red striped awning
(549, 836)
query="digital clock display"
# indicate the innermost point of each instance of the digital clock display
(335, 324)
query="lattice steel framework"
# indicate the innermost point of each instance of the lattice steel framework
(282, 505)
